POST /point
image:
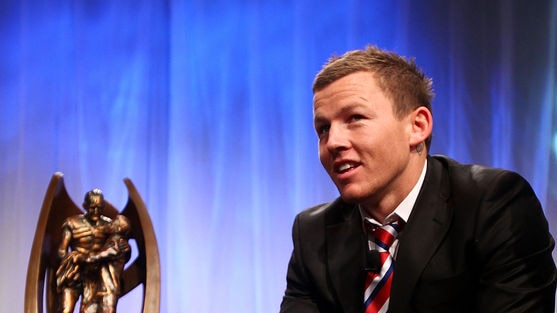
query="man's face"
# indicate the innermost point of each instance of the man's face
(94, 208)
(363, 147)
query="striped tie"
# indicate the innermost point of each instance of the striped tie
(378, 285)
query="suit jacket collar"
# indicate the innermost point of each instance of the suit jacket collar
(346, 247)
(423, 233)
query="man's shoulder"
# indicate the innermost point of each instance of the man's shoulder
(316, 210)
(473, 173)
(331, 211)
(473, 180)
(75, 220)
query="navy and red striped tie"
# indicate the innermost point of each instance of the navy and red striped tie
(378, 285)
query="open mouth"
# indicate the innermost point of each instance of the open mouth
(345, 167)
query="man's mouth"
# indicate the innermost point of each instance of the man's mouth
(344, 167)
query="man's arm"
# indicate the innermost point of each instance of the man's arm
(517, 271)
(65, 242)
(297, 297)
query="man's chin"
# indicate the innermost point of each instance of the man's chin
(350, 197)
(351, 192)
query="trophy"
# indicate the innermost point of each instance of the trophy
(79, 256)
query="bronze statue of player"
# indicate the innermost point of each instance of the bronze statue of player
(93, 252)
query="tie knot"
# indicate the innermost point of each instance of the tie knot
(386, 234)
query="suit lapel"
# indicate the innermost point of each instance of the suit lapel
(426, 227)
(346, 255)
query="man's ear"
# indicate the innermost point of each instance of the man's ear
(422, 125)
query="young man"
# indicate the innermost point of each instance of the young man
(410, 232)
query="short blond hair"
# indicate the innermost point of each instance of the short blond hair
(399, 78)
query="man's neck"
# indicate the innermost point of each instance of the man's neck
(386, 202)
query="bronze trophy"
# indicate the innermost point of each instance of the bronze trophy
(81, 254)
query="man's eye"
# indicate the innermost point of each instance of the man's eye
(356, 117)
(323, 130)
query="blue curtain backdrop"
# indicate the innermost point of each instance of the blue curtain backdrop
(207, 107)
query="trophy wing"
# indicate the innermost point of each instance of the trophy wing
(145, 269)
(43, 261)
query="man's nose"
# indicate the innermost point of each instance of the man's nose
(337, 137)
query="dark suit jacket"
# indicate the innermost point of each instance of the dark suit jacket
(476, 241)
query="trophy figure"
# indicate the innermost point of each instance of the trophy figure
(81, 255)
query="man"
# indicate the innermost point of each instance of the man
(82, 236)
(461, 238)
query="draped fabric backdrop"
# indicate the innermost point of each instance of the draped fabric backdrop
(207, 107)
